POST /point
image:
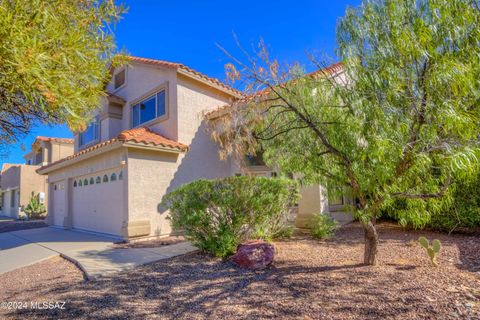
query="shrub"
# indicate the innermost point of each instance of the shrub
(323, 226)
(34, 209)
(217, 215)
(459, 209)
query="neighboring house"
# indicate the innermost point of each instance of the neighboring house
(18, 181)
(146, 139)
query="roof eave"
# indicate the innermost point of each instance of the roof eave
(50, 168)
(146, 146)
(209, 83)
(107, 148)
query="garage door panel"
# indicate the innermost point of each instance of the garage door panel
(99, 206)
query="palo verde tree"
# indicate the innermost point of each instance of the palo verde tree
(396, 119)
(54, 58)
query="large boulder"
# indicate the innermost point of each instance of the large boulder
(254, 254)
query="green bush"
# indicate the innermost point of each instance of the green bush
(217, 215)
(458, 210)
(34, 209)
(323, 226)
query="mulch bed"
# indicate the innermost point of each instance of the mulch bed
(310, 280)
(7, 226)
(150, 243)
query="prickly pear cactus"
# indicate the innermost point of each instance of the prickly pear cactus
(432, 250)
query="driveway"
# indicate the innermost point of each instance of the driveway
(92, 253)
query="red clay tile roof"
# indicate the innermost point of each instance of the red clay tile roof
(147, 136)
(48, 139)
(183, 67)
(137, 135)
(332, 69)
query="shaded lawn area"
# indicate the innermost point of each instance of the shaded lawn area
(310, 280)
(15, 225)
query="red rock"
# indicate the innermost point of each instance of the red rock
(254, 254)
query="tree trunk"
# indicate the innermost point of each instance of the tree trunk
(371, 244)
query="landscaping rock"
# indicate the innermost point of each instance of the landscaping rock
(254, 255)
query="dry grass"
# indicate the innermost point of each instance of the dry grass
(310, 280)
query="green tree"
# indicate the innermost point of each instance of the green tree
(54, 58)
(396, 120)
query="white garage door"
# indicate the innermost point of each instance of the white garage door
(97, 202)
(58, 207)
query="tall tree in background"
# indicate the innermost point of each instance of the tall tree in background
(54, 58)
(396, 120)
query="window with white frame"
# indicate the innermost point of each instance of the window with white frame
(148, 109)
(90, 134)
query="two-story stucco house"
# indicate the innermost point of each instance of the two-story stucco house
(148, 137)
(18, 181)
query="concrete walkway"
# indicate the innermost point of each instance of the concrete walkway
(92, 253)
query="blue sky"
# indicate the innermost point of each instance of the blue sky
(188, 31)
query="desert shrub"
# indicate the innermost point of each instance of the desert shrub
(217, 215)
(34, 209)
(458, 210)
(323, 226)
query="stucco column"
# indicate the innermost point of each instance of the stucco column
(49, 219)
(68, 220)
(313, 201)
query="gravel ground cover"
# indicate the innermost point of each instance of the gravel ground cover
(7, 226)
(310, 280)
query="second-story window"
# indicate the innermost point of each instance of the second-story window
(148, 109)
(90, 134)
(119, 79)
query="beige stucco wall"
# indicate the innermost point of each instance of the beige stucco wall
(9, 210)
(10, 182)
(141, 79)
(150, 175)
(10, 176)
(31, 181)
(57, 151)
(23, 180)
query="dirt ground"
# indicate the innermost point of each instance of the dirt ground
(310, 280)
